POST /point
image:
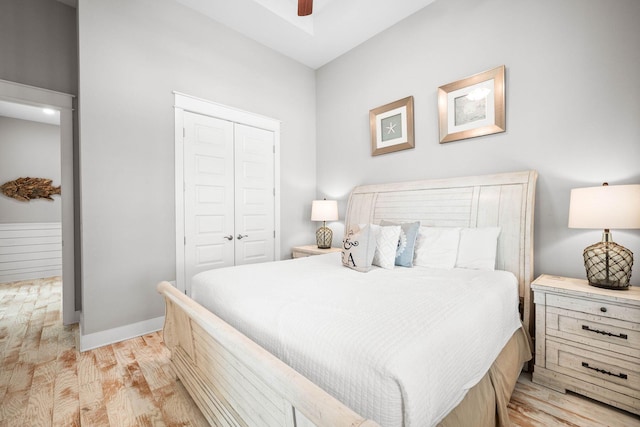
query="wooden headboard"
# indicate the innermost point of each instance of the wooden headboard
(506, 200)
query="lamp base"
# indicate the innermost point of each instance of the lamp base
(610, 285)
(324, 237)
(608, 265)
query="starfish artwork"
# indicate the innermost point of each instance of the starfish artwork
(391, 128)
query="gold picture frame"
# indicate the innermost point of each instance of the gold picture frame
(392, 127)
(473, 106)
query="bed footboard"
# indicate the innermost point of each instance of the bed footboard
(234, 381)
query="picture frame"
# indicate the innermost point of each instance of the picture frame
(392, 127)
(473, 106)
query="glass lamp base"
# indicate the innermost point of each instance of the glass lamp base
(608, 265)
(324, 237)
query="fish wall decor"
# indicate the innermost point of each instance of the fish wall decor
(25, 189)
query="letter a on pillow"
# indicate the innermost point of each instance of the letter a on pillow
(358, 249)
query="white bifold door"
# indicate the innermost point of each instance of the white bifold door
(229, 203)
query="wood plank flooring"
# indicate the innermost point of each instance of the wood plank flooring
(45, 381)
(534, 405)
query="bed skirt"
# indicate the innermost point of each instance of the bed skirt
(485, 405)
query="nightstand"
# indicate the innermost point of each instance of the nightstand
(309, 250)
(588, 340)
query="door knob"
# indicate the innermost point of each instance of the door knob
(241, 236)
(229, 237)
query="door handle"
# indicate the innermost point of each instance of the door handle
(229, 237)
(241, 236)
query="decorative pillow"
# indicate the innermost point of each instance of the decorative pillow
(437, 247)
(358, 249)
(477, 248)
(386, 244)
(406, 241)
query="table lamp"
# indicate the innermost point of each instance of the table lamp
(324, 210)
(608, 264)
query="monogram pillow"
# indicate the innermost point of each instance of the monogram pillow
(358, 248)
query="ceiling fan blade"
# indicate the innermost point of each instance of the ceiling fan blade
(305, 7)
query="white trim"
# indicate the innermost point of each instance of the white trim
(34, 96)
(179, 195)
(196, 105)
(122, 333)
(38, 97)
(220, 111)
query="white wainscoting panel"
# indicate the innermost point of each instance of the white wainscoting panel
(30, 251)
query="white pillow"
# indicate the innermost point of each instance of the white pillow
(358, 249)
(386, 245)
(477, 248)
(407, 241)
(437, 247)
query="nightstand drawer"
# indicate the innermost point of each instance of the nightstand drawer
(593, 306)
(601, 369)
(596, 331)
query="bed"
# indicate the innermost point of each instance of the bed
(236, 381)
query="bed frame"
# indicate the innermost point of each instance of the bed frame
(235, 382)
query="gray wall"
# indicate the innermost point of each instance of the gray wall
(29, 149)
(133, 54)
(39, 47)
(38, 44)
(573, 103)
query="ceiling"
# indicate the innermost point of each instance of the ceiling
(335, 27)
(27, 112)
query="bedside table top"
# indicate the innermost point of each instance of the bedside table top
(580, 287)
(314, 249)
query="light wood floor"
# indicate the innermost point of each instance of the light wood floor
(45, 381)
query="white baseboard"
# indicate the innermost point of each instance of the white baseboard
(122, 333)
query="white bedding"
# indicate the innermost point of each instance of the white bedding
(399, 346)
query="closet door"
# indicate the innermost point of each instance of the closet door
(229, 194)
(254, 195)
(208, 193)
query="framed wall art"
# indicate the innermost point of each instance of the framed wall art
(392, 127)
(472, 107)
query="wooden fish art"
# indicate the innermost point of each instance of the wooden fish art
(25, 189)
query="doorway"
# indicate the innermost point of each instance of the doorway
(63, 105)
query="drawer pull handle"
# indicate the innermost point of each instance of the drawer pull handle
(603, 309)
(587, 328)
(602, 371)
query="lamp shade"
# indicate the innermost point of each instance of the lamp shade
(605, 207)
(324, 210)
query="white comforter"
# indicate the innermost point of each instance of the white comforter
(400, 346)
